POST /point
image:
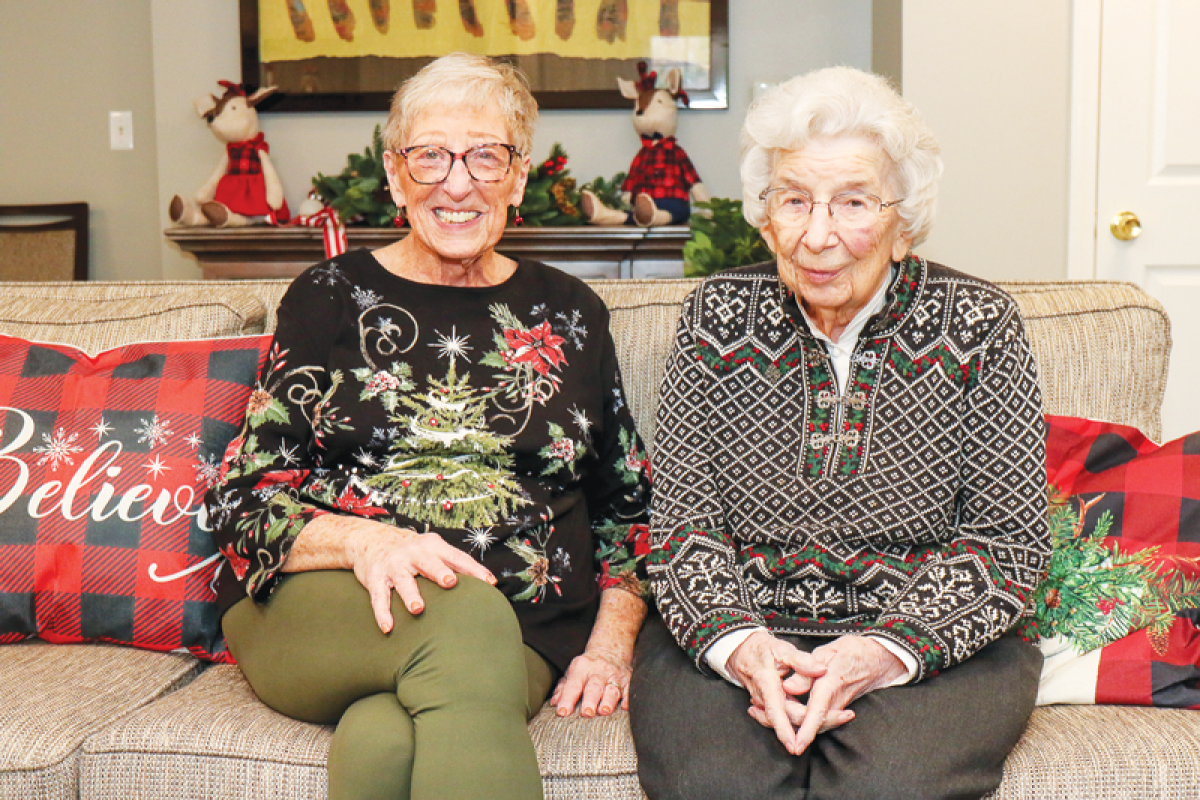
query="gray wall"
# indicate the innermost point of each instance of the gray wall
(63, 67)
(994, 82)
(992, 78)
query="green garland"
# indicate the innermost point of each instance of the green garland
(359, 194)
(722, 239)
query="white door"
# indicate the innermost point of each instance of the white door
(1149, 164)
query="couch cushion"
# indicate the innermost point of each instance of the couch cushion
(215, 739)
(93, 324)
(54, 697)
(1105, 753)
(102, 536)
(585, 758)
(1102, 349)
(211, 739)
(644, 315)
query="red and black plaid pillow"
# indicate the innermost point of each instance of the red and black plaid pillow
(1124, 579)
(104, 462)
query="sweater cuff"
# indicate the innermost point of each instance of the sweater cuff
(907, 658)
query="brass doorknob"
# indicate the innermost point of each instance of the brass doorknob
(1126, 226)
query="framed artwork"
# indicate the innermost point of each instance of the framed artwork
(350, 55)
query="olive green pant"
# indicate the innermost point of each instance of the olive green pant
(435, 709)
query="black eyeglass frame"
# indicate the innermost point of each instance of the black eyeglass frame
(513, 153)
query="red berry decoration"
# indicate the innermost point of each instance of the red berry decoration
(447, 505)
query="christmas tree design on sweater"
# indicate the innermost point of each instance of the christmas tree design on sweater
(447, 468)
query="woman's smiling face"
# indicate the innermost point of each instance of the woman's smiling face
(458, 220)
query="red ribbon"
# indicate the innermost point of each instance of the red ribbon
(334, 231)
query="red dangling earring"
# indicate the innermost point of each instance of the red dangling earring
(398, 220)
(517, 220)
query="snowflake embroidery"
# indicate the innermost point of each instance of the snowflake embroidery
(481, 538)
(366, 458)
(153, 430)
(208, 470)
(571, 327)
(288, 454)
(540, 311)
(101, 429)
(582, 422)
(156, 466)
(329, 274)
(58, 449)
(618, 399)
(365, 298)
(193, 441)
(562, 560)
(452, 346)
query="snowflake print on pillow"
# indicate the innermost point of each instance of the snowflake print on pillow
(104, 462)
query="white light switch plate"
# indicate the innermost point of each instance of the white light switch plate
(120, 130)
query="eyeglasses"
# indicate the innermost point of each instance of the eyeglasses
(486, 163)
(848, 209)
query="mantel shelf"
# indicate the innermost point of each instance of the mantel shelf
(586, 251)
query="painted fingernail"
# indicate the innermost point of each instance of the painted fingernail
(415, 608)
(562, 712)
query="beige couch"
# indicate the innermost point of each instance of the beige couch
(106, 722)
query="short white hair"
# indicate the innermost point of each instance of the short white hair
(842, 101)
(463, 80)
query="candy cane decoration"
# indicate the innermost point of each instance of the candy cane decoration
(333, 233)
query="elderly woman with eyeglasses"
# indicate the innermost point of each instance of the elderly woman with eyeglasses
(439, 503)
(849, 514)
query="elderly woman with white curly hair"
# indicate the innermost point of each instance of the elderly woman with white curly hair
(848, 512)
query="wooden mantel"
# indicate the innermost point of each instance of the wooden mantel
(589, 252)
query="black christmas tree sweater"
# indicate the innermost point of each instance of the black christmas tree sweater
(910, 506)
(494, 416)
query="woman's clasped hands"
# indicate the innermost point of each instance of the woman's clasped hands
(832, 676)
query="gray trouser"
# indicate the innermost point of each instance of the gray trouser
(946, 737)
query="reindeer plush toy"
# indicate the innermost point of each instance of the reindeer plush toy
(244, 188)
(661, 179)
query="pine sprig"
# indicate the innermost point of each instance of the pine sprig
(1095, 593)
(359, 193)
(722, 239)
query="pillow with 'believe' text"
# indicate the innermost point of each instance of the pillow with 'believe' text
(104, 461)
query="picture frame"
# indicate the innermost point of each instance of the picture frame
(327, 59)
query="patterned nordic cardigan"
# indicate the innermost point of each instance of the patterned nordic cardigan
(912, 506)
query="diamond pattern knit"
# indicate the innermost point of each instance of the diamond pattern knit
(911, 506)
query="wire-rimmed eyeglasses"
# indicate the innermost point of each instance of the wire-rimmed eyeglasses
(851, 209)
(486, 163)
